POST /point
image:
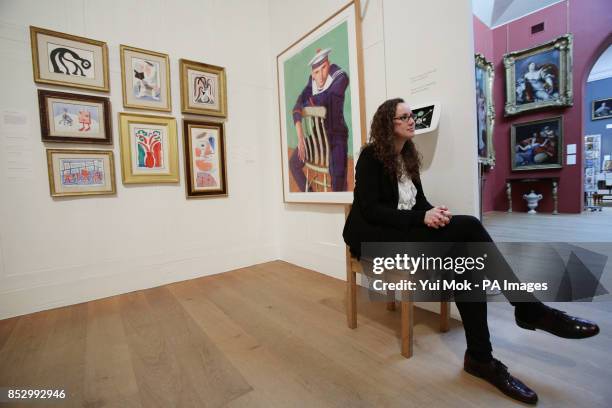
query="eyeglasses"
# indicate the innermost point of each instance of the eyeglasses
(404, 118)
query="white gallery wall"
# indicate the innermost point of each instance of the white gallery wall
(56, 252)
(414, 51)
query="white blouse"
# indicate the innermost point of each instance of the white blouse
(407, 193)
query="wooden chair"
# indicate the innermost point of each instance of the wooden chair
(317, 147)
(353, 267)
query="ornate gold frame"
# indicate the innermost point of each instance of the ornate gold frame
(558, 165)
(566, 97)
(126, 104)
(487, 66)
(34, 31)
(125, 119)
(184, 65)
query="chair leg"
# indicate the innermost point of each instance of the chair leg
(391, 303)
(444, 316)
(351, 298)
(407, 323)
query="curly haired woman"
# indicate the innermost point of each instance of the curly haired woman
(390, 206)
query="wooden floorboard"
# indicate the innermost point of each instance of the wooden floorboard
(275, 335)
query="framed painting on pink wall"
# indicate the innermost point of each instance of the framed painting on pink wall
(539, 77)
(149, 152)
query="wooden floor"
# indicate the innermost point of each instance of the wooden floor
(275, 335)
(520, 226)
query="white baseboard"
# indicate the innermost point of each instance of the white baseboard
(118, 280)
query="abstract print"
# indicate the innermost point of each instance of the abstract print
(149, 142)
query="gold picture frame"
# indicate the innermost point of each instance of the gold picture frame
(149, 149)
(485, 110)
(86, 66)
(539, 77)
(203, 89)
(146, 82)
(80, 172)
(205, 159)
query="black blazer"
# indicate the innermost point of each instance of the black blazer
(374, 215)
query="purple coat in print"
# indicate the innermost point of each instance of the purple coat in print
(332, 98)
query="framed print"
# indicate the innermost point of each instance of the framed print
(485, 110)
(205, 172)
(145, 79)
(68, 60)
(74, 118)
(321, 110)
(539, 77)
(426, 117)
(149, 152)
(203, 89)
(601, 109)
(80, 172)
(537, 145)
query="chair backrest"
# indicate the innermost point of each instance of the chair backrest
(315, 137)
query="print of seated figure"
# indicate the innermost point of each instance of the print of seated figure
(203, 90)
(84, 120)
(204, 160)
(146, 81)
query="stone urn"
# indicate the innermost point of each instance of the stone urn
(532, 201)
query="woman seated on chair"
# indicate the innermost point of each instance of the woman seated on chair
(390, 206)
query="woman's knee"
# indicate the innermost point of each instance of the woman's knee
(466, 221)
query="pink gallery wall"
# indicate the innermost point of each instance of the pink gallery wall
(590, 22)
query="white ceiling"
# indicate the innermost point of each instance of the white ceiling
(497, 12)
(603, 67)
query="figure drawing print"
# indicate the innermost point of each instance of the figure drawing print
(76, 118)
(206, 160)
(70, 61)
(146, 79)
(204, 89)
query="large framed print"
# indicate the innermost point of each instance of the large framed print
(80, 172)
(539, 77)
(485, 110)
(145, 79)
(205, 172)
(149, 149)
(601, 109)
(74, 118)
(321, 110)
(68, 60)
(537, 145)
(203, 89)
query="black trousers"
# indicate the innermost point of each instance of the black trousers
(465, 228)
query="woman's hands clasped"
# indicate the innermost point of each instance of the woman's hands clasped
(437, 217)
